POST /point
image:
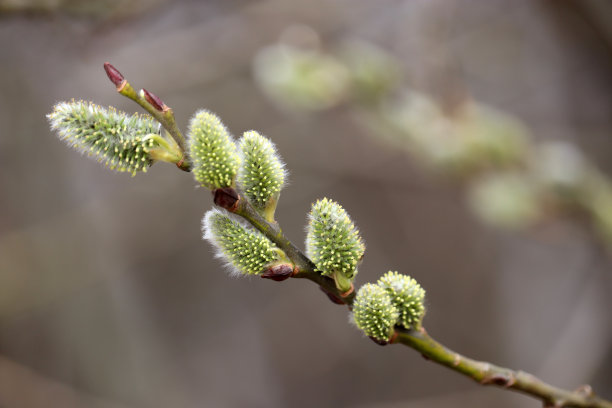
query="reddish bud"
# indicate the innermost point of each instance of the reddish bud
(113, 74)
(335, 299)
(278, 273)
(227, 198)
(154, 100)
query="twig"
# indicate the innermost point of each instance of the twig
(488, 374)
(152, 104)
(230, 199)
(482, 372)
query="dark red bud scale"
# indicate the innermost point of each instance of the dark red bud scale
(113, 74)
(154, 100)
(226, 198)
(279, 273)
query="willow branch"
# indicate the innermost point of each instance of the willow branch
(488, 374)
(482, 372)
(229, 199)
(156, 108)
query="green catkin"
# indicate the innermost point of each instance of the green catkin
(332, 241)
(407, 296)
(261, 174)
(374, 312)
(212, 151)
(114, 138)
(245, 250)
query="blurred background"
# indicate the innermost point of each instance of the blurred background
(109, 297)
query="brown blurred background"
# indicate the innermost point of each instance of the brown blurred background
(109, 297)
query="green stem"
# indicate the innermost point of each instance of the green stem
(488, 374)
(306, 269)
(165, 116)
(482, 372)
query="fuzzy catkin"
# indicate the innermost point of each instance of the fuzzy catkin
(212, 151)
(374, 312)
(246, 250)
(261, 174)
(407, 296)
(332, 241)
(114, 138)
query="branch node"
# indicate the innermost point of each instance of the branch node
(585, 390)
(499, 379)
(334, 299)
(122, 86)
(182, 165)
(348, 292)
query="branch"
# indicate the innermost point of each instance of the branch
(303, 268)
(488, 374)
(231, 200)
(154, 105)
(482, 372)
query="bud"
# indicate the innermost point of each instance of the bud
(279, 273)
(245, 250)
(333, 242)
(374, 312)
(226, 198)
(113, 74)
(261, 174)
(153, 100)
(407, 296)
(212, 151)
(117, 140)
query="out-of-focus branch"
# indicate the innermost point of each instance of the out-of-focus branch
(511, 180)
